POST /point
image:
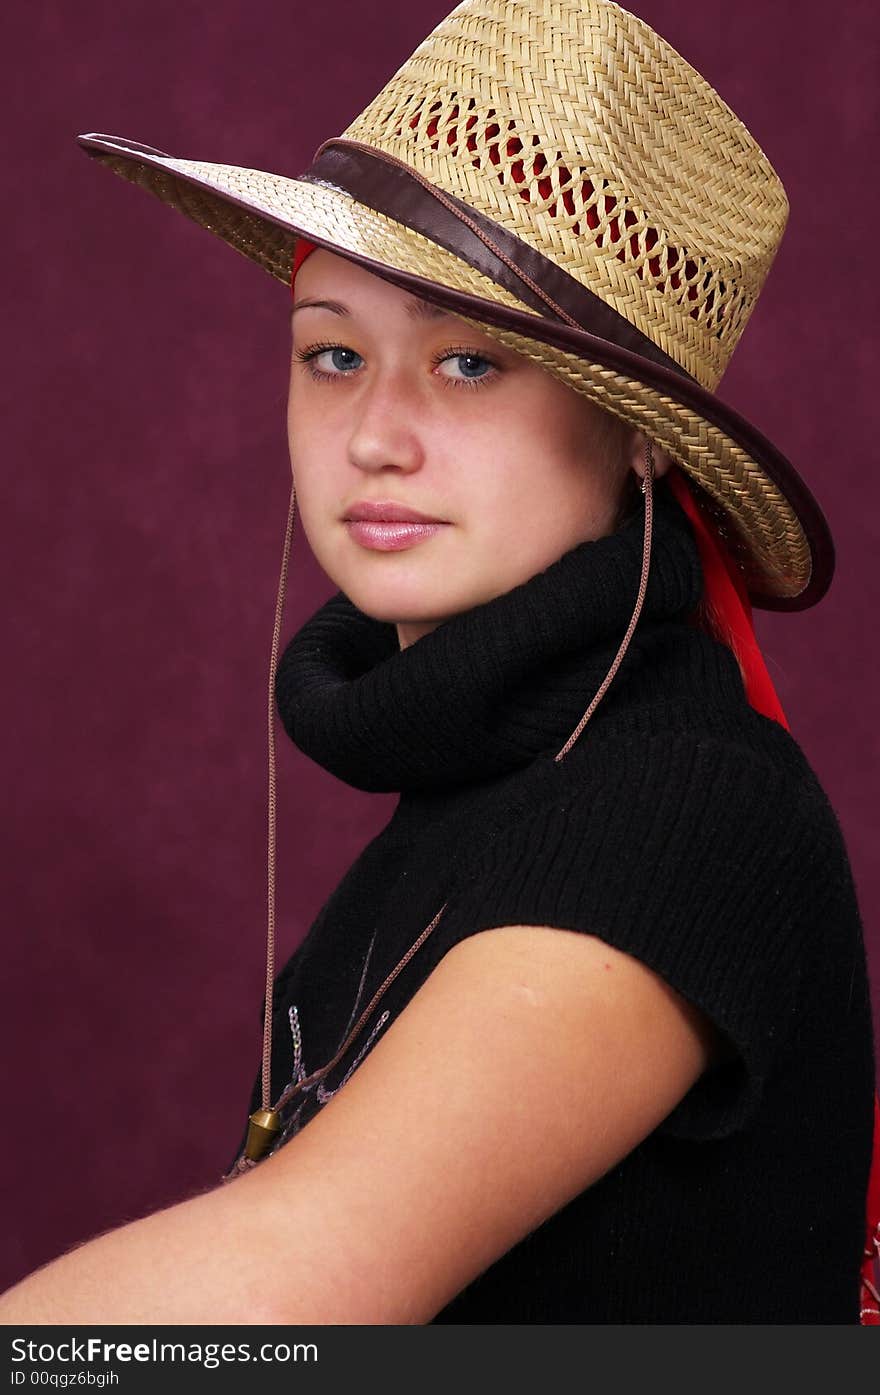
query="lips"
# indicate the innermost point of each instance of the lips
(387, 511)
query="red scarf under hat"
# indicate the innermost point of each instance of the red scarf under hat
(727, 613)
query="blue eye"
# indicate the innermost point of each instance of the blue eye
(339, 360)
(472, 367)
(342, 360)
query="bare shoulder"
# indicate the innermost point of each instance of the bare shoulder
(529, 1063)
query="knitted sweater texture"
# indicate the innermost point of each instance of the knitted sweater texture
(683, 828)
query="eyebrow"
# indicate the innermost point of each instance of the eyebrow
(416, 309)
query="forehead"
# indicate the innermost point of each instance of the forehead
(414, 308)
(330, 282)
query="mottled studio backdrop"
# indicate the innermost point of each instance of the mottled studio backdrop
(146, 485)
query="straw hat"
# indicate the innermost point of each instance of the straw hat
(562, 177)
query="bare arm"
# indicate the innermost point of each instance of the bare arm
(530, 1062)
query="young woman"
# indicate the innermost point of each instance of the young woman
(583, 1035)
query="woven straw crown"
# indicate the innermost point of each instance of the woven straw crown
(580, 129)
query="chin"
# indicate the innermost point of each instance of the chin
(395, 614)
(396, 603)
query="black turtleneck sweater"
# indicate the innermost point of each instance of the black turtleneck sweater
(683, 828)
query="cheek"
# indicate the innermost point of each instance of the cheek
(298, 402)
(536, 502)
(311, 462)
(313, 439)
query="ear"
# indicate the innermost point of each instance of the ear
(662, 461)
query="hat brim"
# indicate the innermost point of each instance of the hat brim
(767, 517)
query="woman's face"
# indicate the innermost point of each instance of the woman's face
(393, 401)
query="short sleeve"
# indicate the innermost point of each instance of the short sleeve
(701, 858)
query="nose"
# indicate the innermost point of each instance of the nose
(384, 431)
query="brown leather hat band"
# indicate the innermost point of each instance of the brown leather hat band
(389, 186)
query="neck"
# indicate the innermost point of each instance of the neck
(408, 631)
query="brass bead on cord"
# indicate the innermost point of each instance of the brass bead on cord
(264, 1125)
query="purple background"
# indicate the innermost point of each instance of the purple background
(145, 388)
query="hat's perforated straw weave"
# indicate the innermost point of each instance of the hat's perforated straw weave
(264, 1125)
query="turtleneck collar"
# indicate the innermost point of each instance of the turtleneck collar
(489, 689)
